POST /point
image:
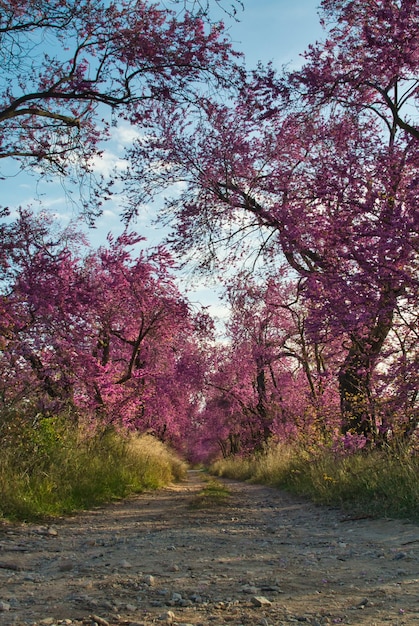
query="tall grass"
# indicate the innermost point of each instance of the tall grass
(55, 469)
(380, 483)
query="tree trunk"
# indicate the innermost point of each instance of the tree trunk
(261, 406)
(357, 407)
(357, 404)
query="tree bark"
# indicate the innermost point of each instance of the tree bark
(356, 401)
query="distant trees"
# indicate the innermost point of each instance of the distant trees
(273, 379)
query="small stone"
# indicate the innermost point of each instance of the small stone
(47, 621)
(125, 564)
(261, 601)
(149, 580)
(168, 617)
(4, 606)
(249, 589)
(195, 597)
(46, 531)
(177, 597)
(99, 620)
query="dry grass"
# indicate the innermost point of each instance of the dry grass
(382, 483)
(214, 494)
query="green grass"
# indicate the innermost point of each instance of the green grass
(214, 494)
(54, 470)
(380, 483)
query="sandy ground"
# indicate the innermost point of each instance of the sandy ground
(265, 557)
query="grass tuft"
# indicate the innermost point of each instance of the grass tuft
(214, 494)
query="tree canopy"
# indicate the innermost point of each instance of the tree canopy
(299, 189)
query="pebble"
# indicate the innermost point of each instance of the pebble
(4, 606)
(149, 580)
(249, 589)
(177, 597)
(46, 531)
(99, 620)
(65, 565)
(261, 601)
(168, 617)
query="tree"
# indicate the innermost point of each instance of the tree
(368, 62)
(106, 335)
(291, 365)
(63, 61)
(332, 191)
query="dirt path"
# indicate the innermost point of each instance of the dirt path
(265, 558)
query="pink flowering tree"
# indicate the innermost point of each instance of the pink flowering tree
(271, 379)
(331, 190)
(292, 365)
(71, 69)
(369, 62)
(107, 334)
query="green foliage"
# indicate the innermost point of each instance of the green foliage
(377, 483)
(212, 495)
(54, 468)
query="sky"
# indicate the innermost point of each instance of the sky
(267, 30)
(276, 30)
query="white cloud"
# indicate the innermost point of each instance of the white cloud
(107, 162)
(123, 136)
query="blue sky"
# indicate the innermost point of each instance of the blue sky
(268, 30)
(276, 30)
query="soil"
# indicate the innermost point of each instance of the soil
(264, 557)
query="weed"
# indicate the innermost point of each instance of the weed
(58, 469)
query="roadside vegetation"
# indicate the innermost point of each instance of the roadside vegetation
(377, 483)
(54, 469)
(213, 494)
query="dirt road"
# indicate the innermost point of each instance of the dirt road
(264, 558)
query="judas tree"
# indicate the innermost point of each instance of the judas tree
(369, 62)
(292, 380)
(106, 335)
(269, 379)
(333, 192)
(64, 63)
(369, 65)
